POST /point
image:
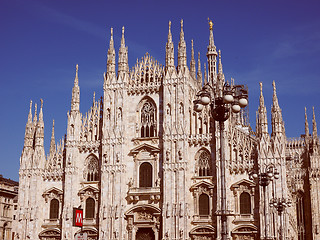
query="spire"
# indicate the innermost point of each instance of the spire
(314, 125)
(182, 51)
(52, 142)
(123, 56)
(276, 115)
(199, 74)
(111, 58)
(28, 136)
(169, 51)
(40, 128)
(75, 101)
(306, 125)
(212, 55)
(30, 113)
(192, 62)
(262, 121)
(211, 40)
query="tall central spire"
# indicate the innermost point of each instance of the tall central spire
(182, 51)
(169, 51)
(212, 56)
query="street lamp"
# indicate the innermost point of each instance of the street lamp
(264, 178)
(280, 204)
(234, 98)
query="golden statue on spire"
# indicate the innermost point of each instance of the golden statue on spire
(210, 23)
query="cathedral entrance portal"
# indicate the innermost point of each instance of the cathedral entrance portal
(145, 234)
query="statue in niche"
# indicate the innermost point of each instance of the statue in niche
(168, 155)
(180, 154)
(130, 183)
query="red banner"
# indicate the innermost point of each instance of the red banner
(77, 217)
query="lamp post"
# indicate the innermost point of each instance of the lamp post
(264, 178)
(234, 98)
(280, 204)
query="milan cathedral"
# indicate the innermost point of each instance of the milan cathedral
(143, 164)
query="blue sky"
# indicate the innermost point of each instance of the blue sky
(42, 41)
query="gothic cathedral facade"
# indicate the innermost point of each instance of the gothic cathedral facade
(142, 164)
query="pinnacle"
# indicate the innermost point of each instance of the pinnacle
(314, 124)
(306, 122)
(76, 79)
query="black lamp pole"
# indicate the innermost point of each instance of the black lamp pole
(234, 97)
(280, 204)
(264, 178)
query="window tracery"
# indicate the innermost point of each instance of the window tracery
(203, 161)
(91, 170)
(148, 120)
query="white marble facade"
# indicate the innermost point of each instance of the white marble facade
(144, 165)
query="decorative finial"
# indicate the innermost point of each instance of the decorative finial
(111, 30)
(260, 88)
(123, 30)
(192, 43)
(169, 25)
(274, 86)
(77, 68)
(30, 105)
(181, 22)
(210, 24)
(41, 100)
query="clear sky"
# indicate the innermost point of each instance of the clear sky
(42, 41)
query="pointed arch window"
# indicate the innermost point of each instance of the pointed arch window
(145, 175)
(204, 163)
(203, 205)
(148, 120)
(90, 205)
(54, 209)
(245, 203)
(91, 172)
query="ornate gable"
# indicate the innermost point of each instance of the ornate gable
(144, 148)
(88, 191)
(53, 193)
(146, 76)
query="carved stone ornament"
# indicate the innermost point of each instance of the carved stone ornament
(142, 215)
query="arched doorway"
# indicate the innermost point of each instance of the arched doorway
(145, 234)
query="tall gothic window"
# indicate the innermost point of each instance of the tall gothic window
(90, 205)
(245, 203)
(203, 205)
(91, 171)
(145, 175)
(148, 120)
(300, 216)
(54, 209)
(204, 163)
